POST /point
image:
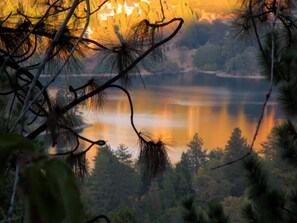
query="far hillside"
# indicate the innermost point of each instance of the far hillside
(204, 46)
(214, 47)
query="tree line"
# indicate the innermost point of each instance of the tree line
(40, 187)
(258, 189)
(217, 48)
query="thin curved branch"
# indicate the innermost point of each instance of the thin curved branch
(42, 64)
(30, 54)
(7, 17)
(255, 28)
(131, 108)
(162, 11)
(26, 37)
(131, 66)
(51, 36)
(268, 95)
(68, 152)
(72, 104)
(91, 13)
(99, 217)
(78, 136)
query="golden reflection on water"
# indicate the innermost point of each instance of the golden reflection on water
(175, 118)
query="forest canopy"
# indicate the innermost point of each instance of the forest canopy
(53, 37)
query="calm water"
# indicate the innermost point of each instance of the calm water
(175, 107)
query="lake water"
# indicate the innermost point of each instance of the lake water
(176, 106)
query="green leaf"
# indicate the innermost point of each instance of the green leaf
(51, 193)
(11, 144)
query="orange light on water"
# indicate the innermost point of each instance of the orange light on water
(176, 120)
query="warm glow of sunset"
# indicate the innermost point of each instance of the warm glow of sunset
(175, 120)
(127, 13)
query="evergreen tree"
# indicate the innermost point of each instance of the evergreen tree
(183, 178)
(123, 154)
(153, 204)
(197, 156)
(236, 146)
(213, 213)
(100, 184)
(112, 184)
(268, 202)
(268, 150)
(52, 37)
(216, 153)
(167, 192)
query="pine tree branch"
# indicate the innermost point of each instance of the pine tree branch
(66, 61)
(131, 109)
(72, 104)
(27, 36)
(268, 95)
(42, 64)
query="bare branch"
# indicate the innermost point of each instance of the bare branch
(72, 104)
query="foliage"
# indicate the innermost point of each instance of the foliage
(199, 34)
(41, 178)
(126, 215)
(217, 49)
(193, 214)
(274, 25)
(52, 38)
(209, 57)
(236, 146)
(196, 155)
(183, 182)
(112, 184)
(51, 181)
(268, 204)
(123, 154)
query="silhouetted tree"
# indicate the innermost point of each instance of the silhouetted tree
(123, 154)
(112, 184)
(196, 214)
(273, 24)
(183, 180)
(53, 39)
(196, 155)
(236, 146)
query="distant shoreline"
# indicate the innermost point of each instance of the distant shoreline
(222, 74)
(182, 71)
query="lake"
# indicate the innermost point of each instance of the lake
(174, 107)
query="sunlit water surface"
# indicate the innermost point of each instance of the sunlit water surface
(174, 107)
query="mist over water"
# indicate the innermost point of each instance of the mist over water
(176, 106)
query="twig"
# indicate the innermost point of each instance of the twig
(44, 61)
(12, 200)
(180, 21)
(99, 217)
(26, 37)
(268, 95)
(79, 39)
(131, 108)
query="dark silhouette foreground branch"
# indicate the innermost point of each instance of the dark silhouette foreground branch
(268, 95)
(99, 217)
(101, 88)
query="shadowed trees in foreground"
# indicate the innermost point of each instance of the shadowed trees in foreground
(52, 38)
